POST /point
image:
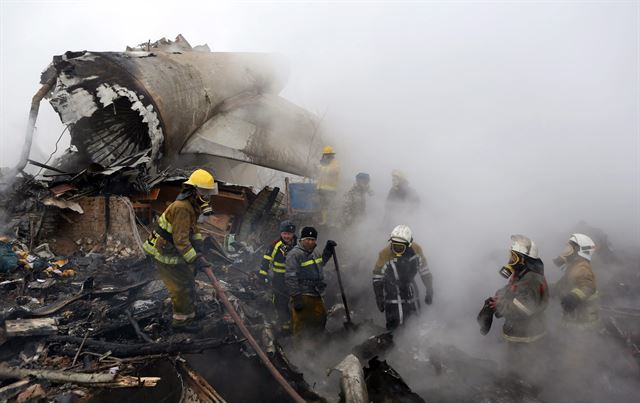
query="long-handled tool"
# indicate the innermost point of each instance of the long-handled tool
(236, 318)
(348, 324)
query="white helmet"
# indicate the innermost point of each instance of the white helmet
(524, 245)
(402, 233)
(586, 246)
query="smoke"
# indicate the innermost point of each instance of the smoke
(518, 117)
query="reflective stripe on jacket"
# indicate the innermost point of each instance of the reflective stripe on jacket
(275, 257)
(177, 237)
(522, 303)
(304, 272)
(412, 262)
(579, 280)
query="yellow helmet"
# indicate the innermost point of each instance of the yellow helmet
(202, 180)
(327, 150)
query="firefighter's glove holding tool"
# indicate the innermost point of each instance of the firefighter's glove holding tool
(329, 250)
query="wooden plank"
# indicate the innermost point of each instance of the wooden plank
(31, 327)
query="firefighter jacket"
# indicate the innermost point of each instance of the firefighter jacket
(522, 303)
(329, 175)
(274, 257)
(355, 205)
(177, 238)
(395, 275)
(403, 195)
(578, 279)
(304, 271)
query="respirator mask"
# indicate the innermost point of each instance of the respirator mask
(398, 248)
(508, 269)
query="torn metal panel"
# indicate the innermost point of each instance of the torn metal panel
(262, 129)
(352, 385)
(121, 103)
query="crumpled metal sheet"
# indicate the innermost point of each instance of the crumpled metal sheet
(177, 100)
(262, 129)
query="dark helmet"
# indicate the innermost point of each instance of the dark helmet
(309, 232)
(287, 226)
(363, 177)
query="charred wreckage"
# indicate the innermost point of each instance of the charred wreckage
(83, 316)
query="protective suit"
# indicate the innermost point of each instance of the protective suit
(327, 184)
(176, 245)
(522, 303)
(577, 287)
(394, 278)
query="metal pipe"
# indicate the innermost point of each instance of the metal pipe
(33, 116)
(263, 357)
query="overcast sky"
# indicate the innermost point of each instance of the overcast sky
(513, 116)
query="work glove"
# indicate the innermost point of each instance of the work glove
(329, 250)
(202, 263)
(485, 316)
(570, 302)
(428, 299)
(378, 290)
(297, 303)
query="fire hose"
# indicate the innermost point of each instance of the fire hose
(263, 357)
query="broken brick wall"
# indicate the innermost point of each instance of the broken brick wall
(84, 232)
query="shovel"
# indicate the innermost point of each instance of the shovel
(348, 324)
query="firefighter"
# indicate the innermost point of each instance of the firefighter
(274, 261)
(355, 200)
(577, 287)
(402, 200)
(177, 245)
(394, 277)
(327, 184)
(304, 278)
(522, 303)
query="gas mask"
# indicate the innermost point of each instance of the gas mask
(398, 248)
(507, 270)
(203, 202)
(565, 256)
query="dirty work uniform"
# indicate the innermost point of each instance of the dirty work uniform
(327, 186)
(274, 261)
(522, 303)
(174, 245)
(355, 205)
(578, 279)
(304, 276)
(394, 283)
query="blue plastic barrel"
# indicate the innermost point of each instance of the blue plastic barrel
(302, 197)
